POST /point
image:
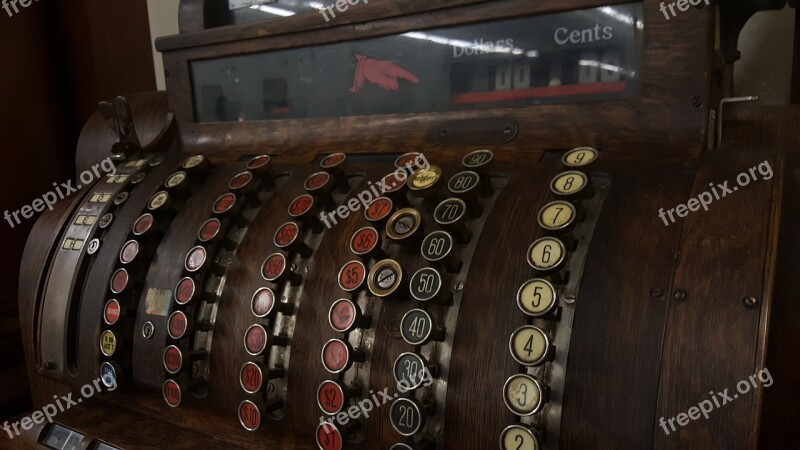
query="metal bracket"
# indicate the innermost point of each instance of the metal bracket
(721, 115)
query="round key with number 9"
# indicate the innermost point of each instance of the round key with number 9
(579, 157)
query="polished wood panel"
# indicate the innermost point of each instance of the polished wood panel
(712, 338)
(615, 354)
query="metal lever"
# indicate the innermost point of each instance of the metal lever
(119, 117)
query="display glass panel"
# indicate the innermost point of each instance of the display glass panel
(586, 55)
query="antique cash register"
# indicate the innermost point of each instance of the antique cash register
(451, 224)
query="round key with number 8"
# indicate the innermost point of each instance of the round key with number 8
(570, 184)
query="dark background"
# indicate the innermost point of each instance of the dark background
(57, 60)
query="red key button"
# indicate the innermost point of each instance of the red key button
(184, 291)
(301, 205)
(407, 160)
(259, 163)
(129, 252)
(119, 281)
(178, 323)
(249, 415)
(329, 437)
(209, 230)
(251, 377)
(344, 315)
(224, 203)
(330, 397)
(240, 181)
(173, 359)
(352, 276)
(111, 312)
(379, 209)
(392, 183)
(317, 181)
(286, 234)
(255, 340)
(273, 267)
(195, 259)
(364, 241)
(332, 160)
(338, 356)
(143, 224)
(172, 393)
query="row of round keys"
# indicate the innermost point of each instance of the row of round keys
(174, 360)
(123, 281)
(411, 370)
(226, 209)
(529, 345)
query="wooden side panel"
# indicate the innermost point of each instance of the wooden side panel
(615, 354)
(778, 424)
(711, 338)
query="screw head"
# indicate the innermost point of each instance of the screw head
(148, 329)
(569, 299)
(94, 246)
(656, 292)
(681, 295)
(750, 301)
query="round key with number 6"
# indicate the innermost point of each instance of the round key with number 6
(547, 254)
